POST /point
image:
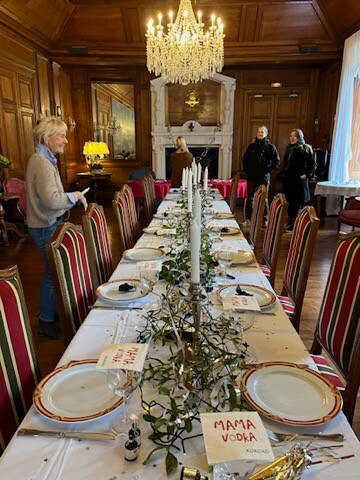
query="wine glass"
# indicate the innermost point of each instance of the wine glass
(238, 469)
(123, 383)
(149, 277)
(225, 260)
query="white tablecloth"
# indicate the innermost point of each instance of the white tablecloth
(46, 458)
(334, 191)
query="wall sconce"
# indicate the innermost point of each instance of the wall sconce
(58, 111)
(276, 84)
(293, 95)
(72, 124)
(316, 125)
(192, 98)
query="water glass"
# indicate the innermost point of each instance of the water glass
(225, 260)
(236, 470)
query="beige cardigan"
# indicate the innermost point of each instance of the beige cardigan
(46, 199)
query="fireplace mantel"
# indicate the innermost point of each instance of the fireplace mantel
(200, 135)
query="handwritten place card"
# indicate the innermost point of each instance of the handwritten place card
(126, 356)
(226, 248)
(232, 436)
(240, 302)
(166, 231)
(150, 265)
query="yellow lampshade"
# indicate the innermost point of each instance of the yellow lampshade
(95, 148)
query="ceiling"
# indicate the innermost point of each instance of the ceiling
(113, 32)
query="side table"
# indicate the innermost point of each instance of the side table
(94, 179)
(7, 226)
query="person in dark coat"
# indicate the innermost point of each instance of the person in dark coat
(259, 159)
(298, 165)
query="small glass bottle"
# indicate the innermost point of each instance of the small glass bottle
(191, 473)
(136, 433)
(131, 448)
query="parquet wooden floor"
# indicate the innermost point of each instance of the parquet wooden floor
(26, 255)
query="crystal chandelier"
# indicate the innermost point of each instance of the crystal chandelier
(185, 54)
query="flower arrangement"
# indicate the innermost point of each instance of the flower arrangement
(4, 162)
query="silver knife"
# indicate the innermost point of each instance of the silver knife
(106, 307)
(82, 435)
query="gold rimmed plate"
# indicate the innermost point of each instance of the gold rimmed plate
(264, 297)
(223, 215)
(143, 254)
(291, 394)
(226, 230)
(75, 392)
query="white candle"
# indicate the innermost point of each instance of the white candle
(197, 206)
(190, 192)
(183, 180)
(195, 240)
(206, 178)
(199, 172)
(193, 169)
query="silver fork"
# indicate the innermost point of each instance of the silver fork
(288, 437)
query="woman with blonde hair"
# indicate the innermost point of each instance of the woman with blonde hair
(46, 203)
(180, 159)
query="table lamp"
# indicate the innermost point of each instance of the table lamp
(94, 152)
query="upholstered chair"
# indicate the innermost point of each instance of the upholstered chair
(337, 331)
(19, 371)
(233, 193)
(257, 216)
(126, 237)
(97, 244)
(68, 260)
(297, 266)
(130, 200)
(350, 215)
(149, 196)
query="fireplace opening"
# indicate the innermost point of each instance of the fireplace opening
(211, 160)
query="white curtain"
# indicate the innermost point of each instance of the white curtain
(341, 147)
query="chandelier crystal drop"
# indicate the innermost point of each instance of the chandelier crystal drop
(185, 54)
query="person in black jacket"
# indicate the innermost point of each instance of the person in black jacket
(298, 165)
(259, 159)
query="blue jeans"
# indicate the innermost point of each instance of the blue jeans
(42, 236)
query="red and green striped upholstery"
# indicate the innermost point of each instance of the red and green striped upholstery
(327, 371)
(149, 196)
(123, 219)
(68, 255)
(130, 200)
(257, 215)
(338, 327)
(273, 235)
(19, 371)
(97, 242)
(298, 261)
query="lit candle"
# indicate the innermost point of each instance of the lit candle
(190, 192)
(160, 18)
(213, 17)
(199, 172)
(171, 14)
(199, 15)
(195, 239)
(193, 169)
(206, 178)
(197, 206)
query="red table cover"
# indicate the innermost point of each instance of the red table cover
(161, 188)
(224, 184)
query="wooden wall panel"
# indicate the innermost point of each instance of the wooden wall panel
(44, 85)
(10, 141)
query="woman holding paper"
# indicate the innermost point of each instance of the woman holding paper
(179, 160)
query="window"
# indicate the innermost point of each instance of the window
(354, 166)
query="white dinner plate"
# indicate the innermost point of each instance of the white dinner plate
(110, 291)
(264, 297)
(76, 392)
(230, 230)
(291, 394)
(223, 215)
(173, 197)
(162, 216)
(242, 257)
(153, 230)
(143, 254)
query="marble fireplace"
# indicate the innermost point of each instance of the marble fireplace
(196, 135)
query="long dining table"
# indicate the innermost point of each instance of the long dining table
(272, 338)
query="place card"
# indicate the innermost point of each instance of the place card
(125, 356)
(150, 265)
(240, 302)
(226, 248)
(166, 231)
(230, 436)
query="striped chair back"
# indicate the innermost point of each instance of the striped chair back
(123, 219)
(273, 234)
(71, 274)
(130, 200)
(233, 193)
(97, 244)
(297, 266)
(149, 196)
(338, 327)
(257, 216)
(19, 371)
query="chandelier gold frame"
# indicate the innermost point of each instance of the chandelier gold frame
(186, 53)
